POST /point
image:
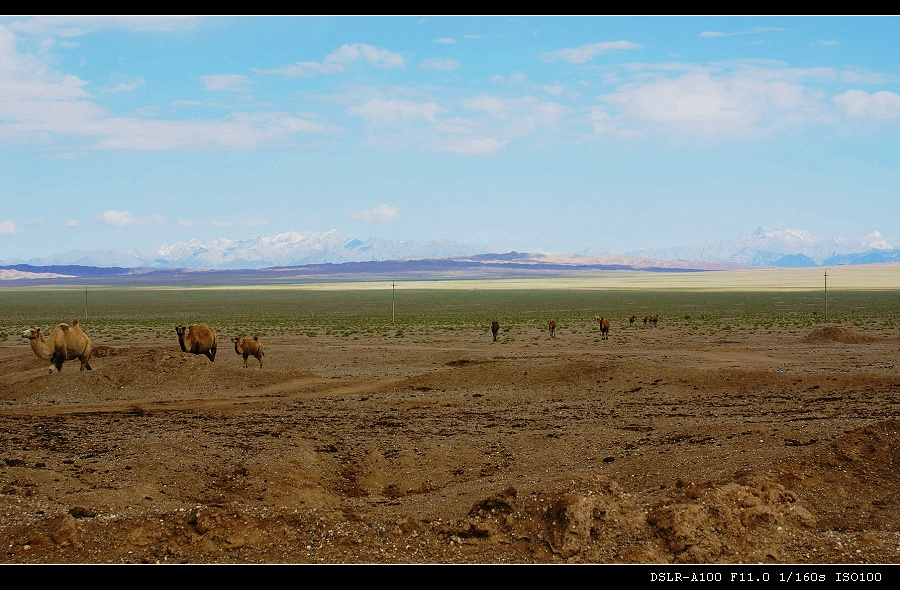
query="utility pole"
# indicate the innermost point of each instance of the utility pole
(826, 294)
(85, 307)
(392, 301)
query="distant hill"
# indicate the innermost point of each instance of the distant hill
(508, 265)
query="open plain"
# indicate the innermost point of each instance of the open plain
(386, 425)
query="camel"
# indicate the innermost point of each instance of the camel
(249, 347)
(631, 319)
(65, 343)
(552, 327)
(653, 319)
(198, 339)
(495, 328)
(604, 328)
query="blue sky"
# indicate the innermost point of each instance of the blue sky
(542, 134)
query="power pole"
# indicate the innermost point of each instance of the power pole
(826, 294)
(85, 307)
(392, 301)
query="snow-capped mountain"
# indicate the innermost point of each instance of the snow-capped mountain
(763, 247)
(785, 248)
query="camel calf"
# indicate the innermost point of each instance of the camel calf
(248, 347)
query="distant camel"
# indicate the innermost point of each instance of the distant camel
(552, 327)
(65, 343)
(495, 329)
(198, 339)
(651, 319)
(631, 319)
(249, 347)
(604, 328)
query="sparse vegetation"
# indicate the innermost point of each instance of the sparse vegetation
(124, 313)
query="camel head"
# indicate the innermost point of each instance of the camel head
(180, 330)
(32, 333)
(235, 340)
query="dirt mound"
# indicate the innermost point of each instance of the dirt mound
(835, 334)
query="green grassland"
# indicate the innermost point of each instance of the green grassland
(699, 303)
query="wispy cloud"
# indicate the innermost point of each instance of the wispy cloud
(77, 25)
(225, 82)
(445, 65)
(380, 112)
(585, 53)
(341, 60)
(254, 221)
(381, 213)
(127, 219)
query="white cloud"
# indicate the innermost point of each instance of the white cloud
(127, 219)
(185, 223)
(341, 60)
(125, 86)
(72, 223)
(446, 40)
(862, 105)
(747, 99)
(381, 213)
(8, 228)
(225, 82)
(585, 53)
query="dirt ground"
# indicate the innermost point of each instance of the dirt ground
(649, 447)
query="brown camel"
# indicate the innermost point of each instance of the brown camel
(249, 347)
(552, 327)
(495, 329)
(604, 328)
(198, 339)
(631, 319)
(65, 343)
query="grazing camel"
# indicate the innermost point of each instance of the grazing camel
(631, 319)
(604, 328)
(495, 329)
(552, 327)
(198, 339)
(65, 343)
(653, 319)
(249, 347)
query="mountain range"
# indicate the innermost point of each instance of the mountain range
(331, 254)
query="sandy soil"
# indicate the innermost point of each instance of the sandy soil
(649, 447)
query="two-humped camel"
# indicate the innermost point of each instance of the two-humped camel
(249, 347)
(65, 343)
(198, 339)
(495, 329)
(552, 327)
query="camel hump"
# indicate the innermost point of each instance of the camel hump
(64, 327)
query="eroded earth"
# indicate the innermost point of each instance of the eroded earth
(649, 447)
